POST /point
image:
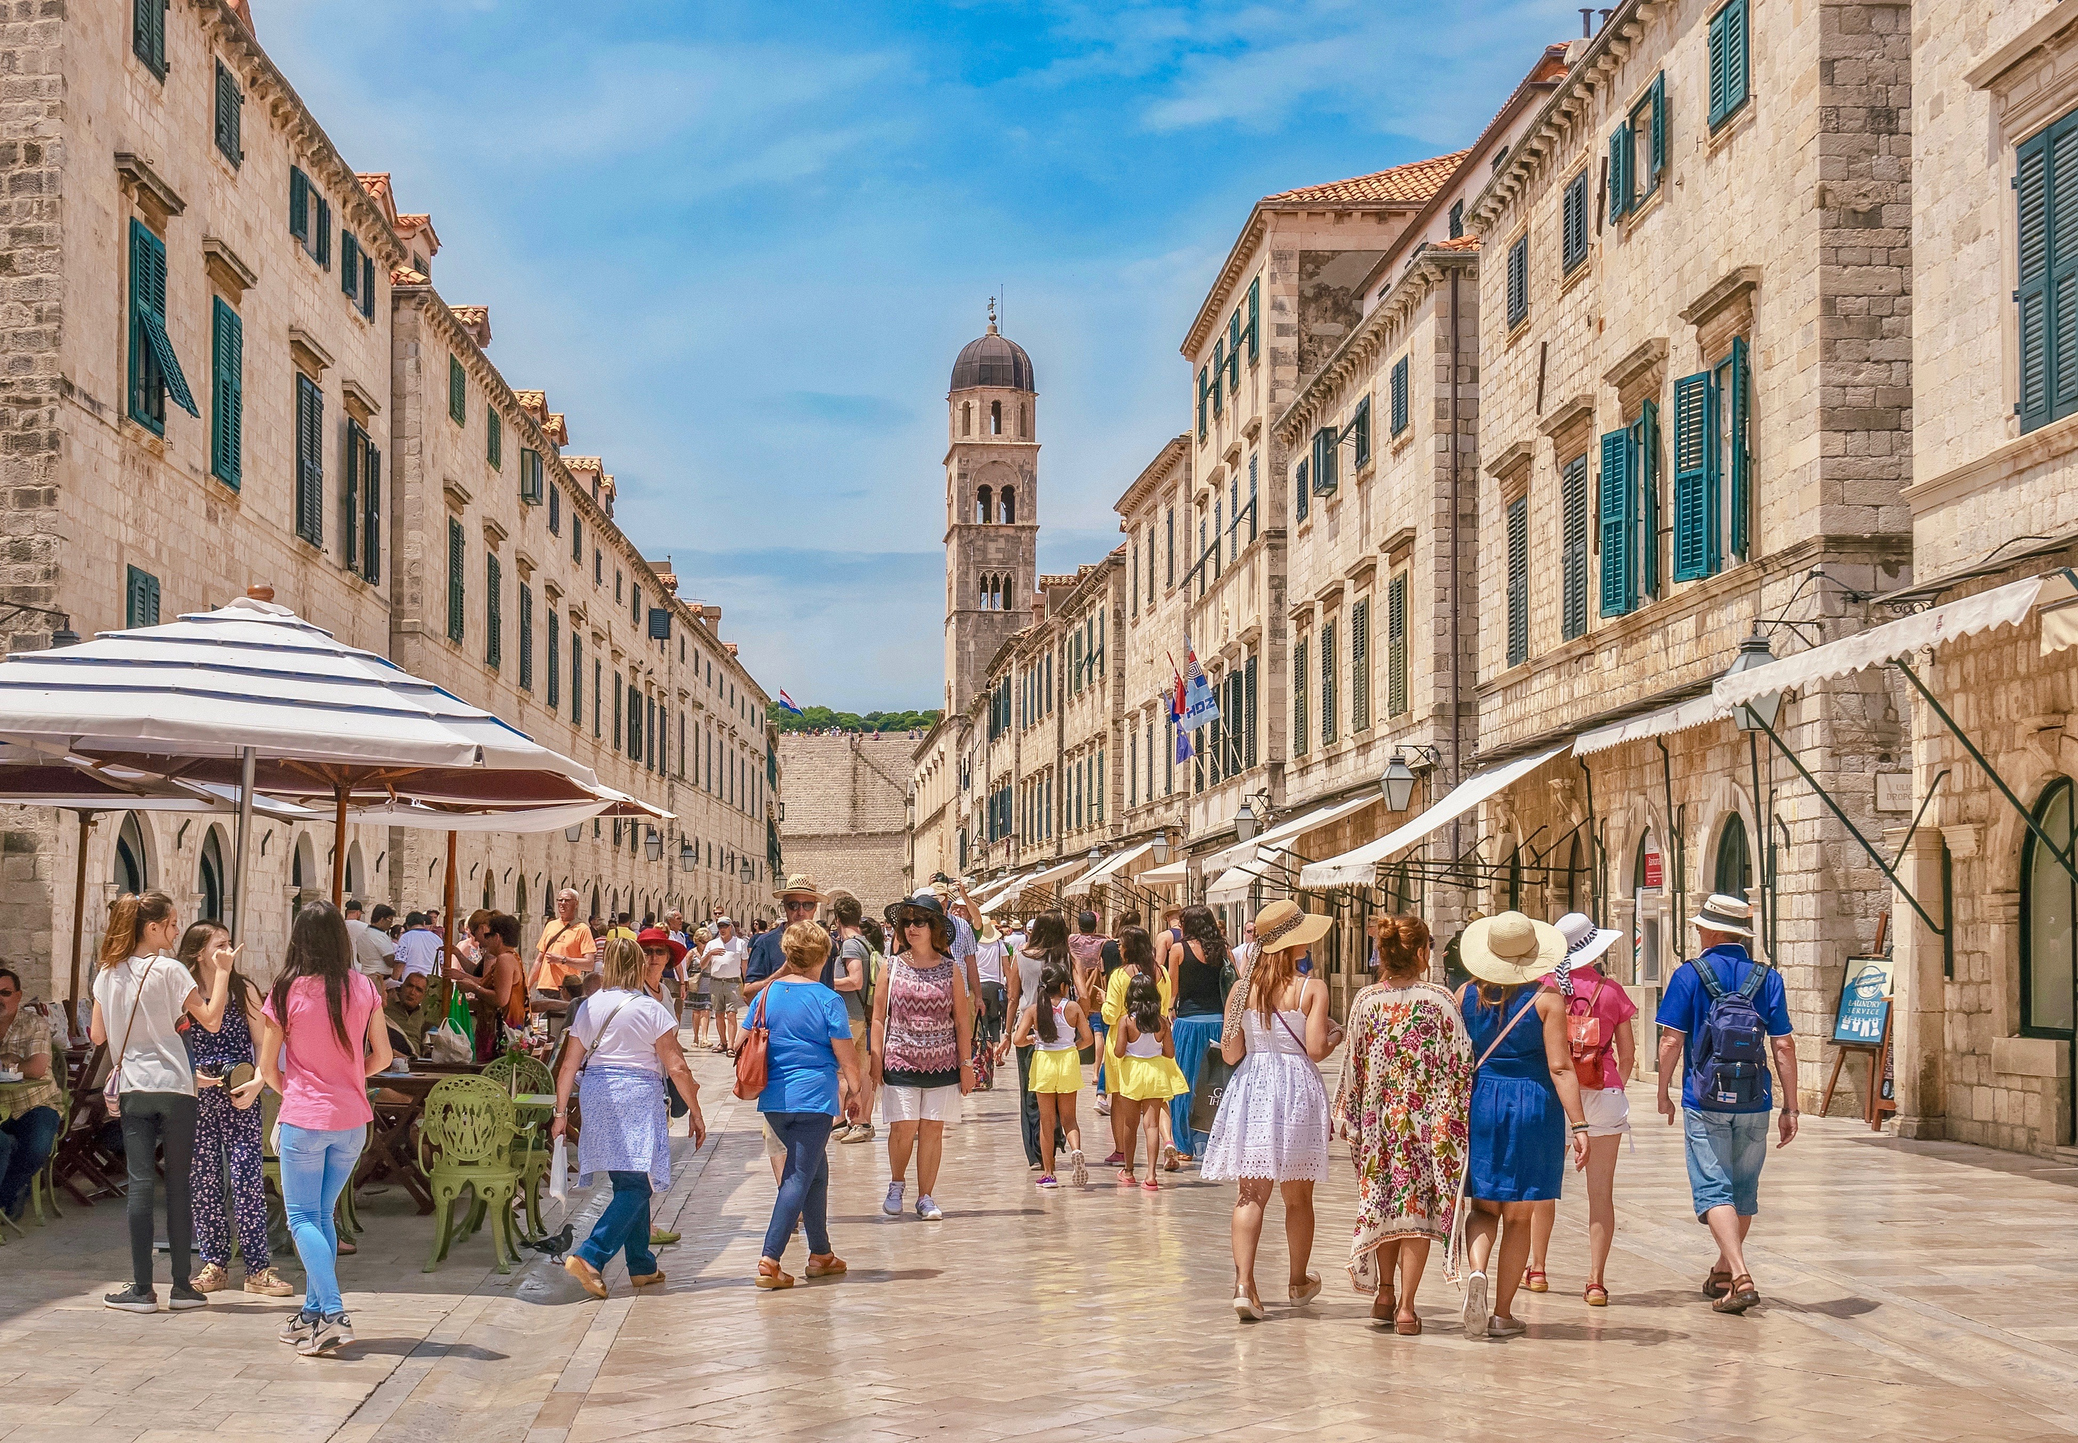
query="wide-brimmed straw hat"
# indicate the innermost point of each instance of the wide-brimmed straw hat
(658, 937)
(1584, 940)
(1510, 949)
(1285, 924)
(941, 925)
(800, 884)
(1722, 913)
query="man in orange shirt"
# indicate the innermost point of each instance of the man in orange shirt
(565, 948)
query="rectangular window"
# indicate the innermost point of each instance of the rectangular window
(1252, 460)
(1396, 646)
(367, 286)
(576, 676)
(1301, 491)
(494, 438)
(1219, 366)
(371, 516)
(1399, 395)
(155, 371)
(1172, 547)
(1234, 517)
(299, 201)
(1730, 61)
(1327, 682)
(1203, 398)
(1731, 384)
(1360, 665)
(1299, 736)
(1216, 530)
(555, 659)
(1519, 281)
(1573, 224)
(532, 484)
(493, 611)
(576, 537)
(1168, 753)
(1326, 467)
(141, 599)
(457, 392)
(148, 34)
(555, 496)
(526, 637)
(1360, 431)
(1573, 547)
(227, 388)
(310, 460)
(1248, 724)
(1519, 581)
(598, 696)
(1710, 450)
(455, 594)
(1234, 350)
(1457, 220)
(1254, 319)
(352, 457)
(230, 106)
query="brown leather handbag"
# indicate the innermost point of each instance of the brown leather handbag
(750, 1050)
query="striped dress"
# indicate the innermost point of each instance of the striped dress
(923, 1045)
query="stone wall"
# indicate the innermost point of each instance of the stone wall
(846, 811)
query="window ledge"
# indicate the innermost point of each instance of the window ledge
(1580, 272)
(1735, 124)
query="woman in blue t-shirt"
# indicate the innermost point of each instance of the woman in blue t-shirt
(811, 1075)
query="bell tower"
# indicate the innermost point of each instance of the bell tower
(991, 506)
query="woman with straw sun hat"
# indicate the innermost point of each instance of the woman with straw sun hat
(1272, 1128)
(1525, 1105)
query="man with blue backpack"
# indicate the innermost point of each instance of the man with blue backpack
(1722, 1015)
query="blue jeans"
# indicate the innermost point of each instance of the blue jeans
(1099, 1030)
(315, 1167)
(624, 1226)
(1725, 1151)
(25, 1146)
(804, 1185)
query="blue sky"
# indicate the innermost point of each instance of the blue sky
(739, 245)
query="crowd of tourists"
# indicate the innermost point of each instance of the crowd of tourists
(1463, 1110)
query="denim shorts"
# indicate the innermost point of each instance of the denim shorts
(1725, 1151)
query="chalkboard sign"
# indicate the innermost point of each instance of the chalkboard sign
(1864, 1009)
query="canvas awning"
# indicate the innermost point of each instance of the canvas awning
(2007, 605)
(1232, 885)
(1359, 867)
(1110, 867)
(1681, 717)
(1284, 834)
(1169, 874)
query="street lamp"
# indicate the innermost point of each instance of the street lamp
(1397, 784)
(1245, 822)
(782, 811)
(1161, 847)
(571, 834)
(1759, 713)
(1094, 857)
(685, 856)
(653, 844)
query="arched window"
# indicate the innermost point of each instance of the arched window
(129, 856)
(1009, 505)
(490, 895)
(1734, 858)
(999, 593)
(966, 418)
(1515, 880)
(2048, 904)
(983, 506)
(209, 878)
(595, 901)
(984, 593)
(995, 418)
(1023, 426)
(1578, 893)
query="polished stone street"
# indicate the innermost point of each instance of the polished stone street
(1911, 1291)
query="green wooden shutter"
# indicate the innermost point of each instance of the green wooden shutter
(310, 461)
(1299, 697)
(455, 594)
(1399, 395)
(371, 516)
(349, 265)
(1327, 682)
(1659, 129)
(1362, 426)
(1738, 463)
(1234, 350)
(147, 294)
(1645, 453)
(555, 677)
(1730, 61)
(1691, 476)
(493, 611)
(367, 285)
(1219, 366)
(577, 684)
(148, 34)
(1202, 401)
(228, 104)
(1248, 731)
(226, 392)
(493, 438)
(1254, 319)
(1300, 491)
(1573, 223)
(1519, 281)
(352, 453)
(457, 392)
(1396, 646)
(299, 204)
(1616, 522)
(1519, 581)
(321, 232)
(1573, 549)
(141, 599)
(1360, 665)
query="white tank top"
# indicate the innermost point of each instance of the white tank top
(1063, 1034)
(1147, 1044)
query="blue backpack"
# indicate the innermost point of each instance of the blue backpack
(1732, 1053)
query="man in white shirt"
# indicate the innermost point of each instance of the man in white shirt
(374, 953)
(723, 963)
(418, 950)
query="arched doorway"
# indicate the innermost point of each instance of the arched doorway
(129, 873)
(209, 878)
(519, 898)
(1648, 889)
(355, 872)
(2049, 932)
(1734, 873)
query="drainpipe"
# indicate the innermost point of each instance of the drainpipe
(1456, 655)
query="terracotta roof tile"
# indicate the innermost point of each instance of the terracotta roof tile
(1412, 183)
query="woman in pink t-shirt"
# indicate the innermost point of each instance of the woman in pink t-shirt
(323, 1038)
(1598, 1027)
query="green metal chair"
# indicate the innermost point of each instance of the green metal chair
(43, 1187)
(466, 1140)
(520, 1074)
(346, 1219)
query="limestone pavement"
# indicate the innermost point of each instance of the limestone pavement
(1912, 1290)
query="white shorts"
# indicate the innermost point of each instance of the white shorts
(1607, 1110)
(920, 1104)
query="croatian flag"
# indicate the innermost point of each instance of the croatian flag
(1199, 707)
(788, 702)
(1183, 738)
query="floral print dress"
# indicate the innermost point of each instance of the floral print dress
(1406, 1090)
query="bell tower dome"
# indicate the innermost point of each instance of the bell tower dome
(991, 506)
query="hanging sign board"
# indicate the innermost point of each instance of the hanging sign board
(1655, 875)
(1864, 1008)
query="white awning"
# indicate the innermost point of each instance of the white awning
(1232, 885)
(1696, 712)
(2002, 606)
(1359, 868)
(1000, 895)
(1044, 877)
(1285, 833)
(1171, 875)
(1108, 868)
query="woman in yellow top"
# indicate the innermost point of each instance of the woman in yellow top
(1143, 1058)
(1136, 949)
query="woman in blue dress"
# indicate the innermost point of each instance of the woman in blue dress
(1525, 1105)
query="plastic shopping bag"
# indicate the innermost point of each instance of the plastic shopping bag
(559, 1171)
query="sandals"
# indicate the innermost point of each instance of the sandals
(1716, 1284)
(770, 1276)
(1595, 1295)
(1408, 1327)
(1384, 1306)
(829, 1265)
(1169, 1163)
(1126, 1179)
(1741, 1296)
(1535, 1281)
(1150, 1185)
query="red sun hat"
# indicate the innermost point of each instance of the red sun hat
(658, 937)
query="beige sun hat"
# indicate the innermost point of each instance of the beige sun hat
(1510, 949)
(799, 884)
(1285, 924)
(1725, 913)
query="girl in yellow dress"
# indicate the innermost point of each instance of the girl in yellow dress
(1144, 1061)
(1058, 1027)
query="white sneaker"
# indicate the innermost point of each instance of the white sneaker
(1079, 1168)
(1477, 1315)
(928, 1210)
(1103, 1104)
(892, 1203)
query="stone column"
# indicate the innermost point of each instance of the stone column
(1919, 1011)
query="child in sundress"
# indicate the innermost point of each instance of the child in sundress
(1058, 1028)
(1143, 1052)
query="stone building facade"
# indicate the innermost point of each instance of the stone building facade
(846, 798)
(213, 382)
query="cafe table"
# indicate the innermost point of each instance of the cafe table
(390, 1137)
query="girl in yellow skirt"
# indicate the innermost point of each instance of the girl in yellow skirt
(1058, 1027)
(1144, 1063)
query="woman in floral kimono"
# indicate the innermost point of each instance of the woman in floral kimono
(1406, 1088)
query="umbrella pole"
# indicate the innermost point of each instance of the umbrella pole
(79, 921)
(247, 761)
(447, 908)
(339, 844)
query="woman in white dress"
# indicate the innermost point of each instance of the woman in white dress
(1272, 1126)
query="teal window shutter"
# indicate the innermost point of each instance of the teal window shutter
(1619, 172)
(1203, 372)
(299, 204)
(1254, 319)
(229, 105)
(493, 611)
(1615, 521)
(1219, 366)
(226, 392)
(576, 676)
(367, 285)
(455, 594)
(321, 232)
(1573, 549)
(555, 673)
(1730, 61)
(1326, 471)
(1573, 215)
(1248, 726)
(154, 370)
(1738, 463)
(1360, 665)
(1519, 581)
(1251, 509)
(371, 516)
(1691, 477)
(352, 454)
(1399, 395)
(141, 599)
(1519, 281)
(1396, 645)
(1457, 220)
(1659, 130)
(310, 460)
(1361, 427)
(1299, 697)
(349, 265)
(148, 34)
(1234, 350)
(1327, 682)
(1300, 491)
(1645, 456)
(457, 392)
(2031, 188)
(493, 438)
